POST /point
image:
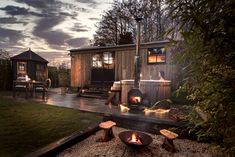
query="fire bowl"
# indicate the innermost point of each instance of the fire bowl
(144, 138)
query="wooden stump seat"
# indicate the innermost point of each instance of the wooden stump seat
(108, 132)
(168, 140)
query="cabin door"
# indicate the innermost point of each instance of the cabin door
(103, 71)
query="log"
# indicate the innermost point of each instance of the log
(108, 132)
(168, 144)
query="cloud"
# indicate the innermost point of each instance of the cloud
(88, 1)
(44, 30)
(78, 27)
(14, 10)
(94, 19)
(10, 20)
(50, 55)
(52, 6)
(49, 26)
(10, 36)
(78, 42)
(42, 4)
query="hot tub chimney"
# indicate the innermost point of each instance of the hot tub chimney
(137, 55)
(135, 96)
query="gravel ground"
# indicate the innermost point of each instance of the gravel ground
(115, 148)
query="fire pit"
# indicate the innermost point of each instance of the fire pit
(135, 138)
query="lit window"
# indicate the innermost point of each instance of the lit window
(97, 61)
(156, 55)
(21, 66)
(108, 60)
(105, 60)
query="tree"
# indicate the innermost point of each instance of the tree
(207, 61)
(5, 70)
(119, 22)
(53, 75)
(63, 75)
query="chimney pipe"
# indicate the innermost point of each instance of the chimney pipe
(137, 55)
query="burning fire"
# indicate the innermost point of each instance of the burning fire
(135, 99)
(124, 108)
(134, 139)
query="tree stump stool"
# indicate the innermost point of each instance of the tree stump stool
(108, 132)
(169, 136)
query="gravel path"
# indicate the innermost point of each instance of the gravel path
(115, 148)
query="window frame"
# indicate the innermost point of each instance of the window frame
(106, 58)
(22, 65)
(155, 52)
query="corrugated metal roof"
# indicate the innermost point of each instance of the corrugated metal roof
(116, 47)
(29, 55)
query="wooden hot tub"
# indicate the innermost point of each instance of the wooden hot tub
(154, 90)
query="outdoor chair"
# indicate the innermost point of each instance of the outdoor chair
(42, 88)
(19, 85)
(22, 89)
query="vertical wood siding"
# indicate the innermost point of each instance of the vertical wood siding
(124, 66)
(80, 70)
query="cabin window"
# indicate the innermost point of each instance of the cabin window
(97, 61)
(103, 60)
(156, 56)
(108, 60)
(21, 66)
(21, 69)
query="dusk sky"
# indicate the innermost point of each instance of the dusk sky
(49, 27)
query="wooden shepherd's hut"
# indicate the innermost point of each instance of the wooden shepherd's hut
(104, 65)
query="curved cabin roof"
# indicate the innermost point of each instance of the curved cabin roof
(117, 47)
(29, 56)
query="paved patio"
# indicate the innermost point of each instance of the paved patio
(98, 106)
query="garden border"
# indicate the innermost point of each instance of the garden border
(56, 147)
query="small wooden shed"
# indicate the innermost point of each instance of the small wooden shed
(99, 65)
(31, 64)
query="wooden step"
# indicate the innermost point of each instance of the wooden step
(94, 94)
(91, 96)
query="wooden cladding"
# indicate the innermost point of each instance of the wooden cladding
(125, 67)
(80, 69)
(81, 64)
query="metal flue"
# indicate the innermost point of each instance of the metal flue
(137, 55)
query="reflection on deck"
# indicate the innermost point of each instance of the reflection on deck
(98, 106)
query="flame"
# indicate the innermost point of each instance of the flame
(135, 99)
(135, 139)
(124, 108)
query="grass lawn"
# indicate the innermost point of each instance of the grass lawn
(26, 126)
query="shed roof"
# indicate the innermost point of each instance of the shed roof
(117, 47)
(29, 55)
